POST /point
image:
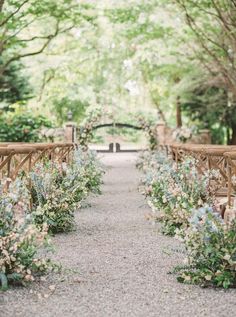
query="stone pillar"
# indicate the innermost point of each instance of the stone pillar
(70, 132)
(161, 132)
(205, 136)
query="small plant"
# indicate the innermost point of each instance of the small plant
(211, 249)
(20, 239)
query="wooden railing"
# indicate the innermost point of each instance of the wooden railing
(210, 157)
(22, 157)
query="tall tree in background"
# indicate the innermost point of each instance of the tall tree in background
(213, 26)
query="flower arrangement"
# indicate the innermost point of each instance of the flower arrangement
(174, 191)
(28, 213)
(183, 134)
(52, 205)
(57, 191)
(211, 250)
(86, 167)
(149, 127)
(85, 134)
(20, 239)
(185, 204)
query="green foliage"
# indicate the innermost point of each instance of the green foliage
(22, 126)
(52, 205)
(58, 190)
(92, 118)
(130, 14)
(182, 200)
(213, 50)
(91, 44)
(149, 126)
(20, 240)
(211, 247)
(86, 166)
(65, 105)
(173, 191)
(18, 17)
(208, 106)
(14, 86)
(147, 32)
(121, 15)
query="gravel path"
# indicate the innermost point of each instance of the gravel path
(116, 263)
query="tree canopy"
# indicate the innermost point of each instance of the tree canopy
(157, 56)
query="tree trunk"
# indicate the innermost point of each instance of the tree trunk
(178, 113)
(161, 115)
(1, 4)
(233, 138)
(228, 139)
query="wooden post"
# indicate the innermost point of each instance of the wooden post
(229, 175)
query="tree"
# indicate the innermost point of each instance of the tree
(45, 19)
(212, 24)
(14, 86)
(65, 106)
(144, 35)
(208, 107)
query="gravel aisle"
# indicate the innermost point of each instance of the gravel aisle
(116, 263)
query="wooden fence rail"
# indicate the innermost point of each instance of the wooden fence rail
(22, 157)
(210, 157)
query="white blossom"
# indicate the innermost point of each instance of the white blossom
(128, 64)
(132, 87)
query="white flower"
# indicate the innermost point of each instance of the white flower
(227, 257)
(128, 64)
(132, 87)
(208, 277)
(233, 180)
(164, 199)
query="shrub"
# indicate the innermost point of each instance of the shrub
(22, 126)
(188, 208)
(58, 190)
(19, 237)
(25, 217)
(86, 166)
(175, 191)
(52, 204)
(211, 250)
